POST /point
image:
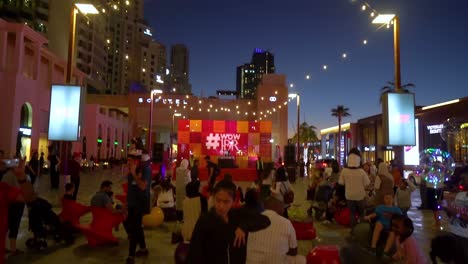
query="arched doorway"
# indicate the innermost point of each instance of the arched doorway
(23, 141)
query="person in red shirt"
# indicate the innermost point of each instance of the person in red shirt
(10, 194)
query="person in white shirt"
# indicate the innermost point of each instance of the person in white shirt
(355, 180)
(277, 244)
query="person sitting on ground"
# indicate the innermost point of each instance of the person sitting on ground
(407, 249)
(280, 236)
(103, 199)
(166, 198)
(192, 190)
(69, 190)
(383, 214)
(156, 189)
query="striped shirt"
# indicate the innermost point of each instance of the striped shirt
(270, 245)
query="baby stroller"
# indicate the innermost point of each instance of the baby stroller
(322, 197)
(43, 223)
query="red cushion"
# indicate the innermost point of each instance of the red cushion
(302, 225)
(99, 232)
(306, 234)
(72, 211)
(343, 216)
(324, 254)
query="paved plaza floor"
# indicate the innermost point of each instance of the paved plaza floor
(158, 239)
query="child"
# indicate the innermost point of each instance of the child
(403, 195)
(383, 214)
(69, 190)
(407, 249)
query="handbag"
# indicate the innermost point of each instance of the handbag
(288, 195)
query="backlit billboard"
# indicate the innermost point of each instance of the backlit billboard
(64, 112)
(398, 119)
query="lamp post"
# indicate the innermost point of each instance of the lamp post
(84, 9)
(388, 19)
(294, 95)
(172, 132)
(150, 126)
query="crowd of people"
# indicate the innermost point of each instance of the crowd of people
(221, 224)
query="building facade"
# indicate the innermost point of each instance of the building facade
(27, 68)
(271, 105)
(179, 70)
(250, 75)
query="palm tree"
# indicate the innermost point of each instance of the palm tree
(339, 112)
(390, 88)
(306, 133)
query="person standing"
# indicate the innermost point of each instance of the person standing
(138, 201)
(74, 170)
(383, 183)
(194, 172)
(259, 168)
(182, 178)
(355, 180)
(281, 187)
(33, 167)
(213, 171)
(54, 162)
(41, 163)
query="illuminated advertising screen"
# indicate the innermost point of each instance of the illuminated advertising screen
(412, 152)
(238, 139)
(64, 112)
(398, 119)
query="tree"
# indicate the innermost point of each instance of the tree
(306, 133)
(390, 88)
(339, 112)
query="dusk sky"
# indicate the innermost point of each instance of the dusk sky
(306, 34)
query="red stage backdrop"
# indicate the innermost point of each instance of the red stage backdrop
(243, 140)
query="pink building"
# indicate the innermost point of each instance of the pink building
(27, 70)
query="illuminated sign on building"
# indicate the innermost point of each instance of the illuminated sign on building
(223, 143)
(164, 101)
(272, 98)
(435, 129)
(147, 32)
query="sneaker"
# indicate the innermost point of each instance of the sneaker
(372, 251)
(130, 260)
(142, 253)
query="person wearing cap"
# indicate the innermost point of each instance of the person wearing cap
(138, 201)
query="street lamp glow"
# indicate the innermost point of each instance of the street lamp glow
(344, 55)
(87, 9)
(156, 91)
(325, 67)
(307, 77)
(291, 85)
(292, 95)
(364, 42)
(363, 7)
(372, 14)
(177, 114)
(383, 19)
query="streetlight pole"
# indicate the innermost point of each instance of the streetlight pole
(172, 133)
(396, 51)
(84, 9)
(298, 128)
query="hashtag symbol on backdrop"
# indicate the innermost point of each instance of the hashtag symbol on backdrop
(212, 141)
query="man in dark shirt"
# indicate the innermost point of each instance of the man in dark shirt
(138, 200)
(103, 199)
(213, 171)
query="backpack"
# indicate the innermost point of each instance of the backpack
(288, 196)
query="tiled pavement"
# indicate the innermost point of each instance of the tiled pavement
(158, 239)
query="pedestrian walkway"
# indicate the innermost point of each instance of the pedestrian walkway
(158, 239)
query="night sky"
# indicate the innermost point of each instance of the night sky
(306, 34)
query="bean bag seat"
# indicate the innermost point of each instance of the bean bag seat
(304, 231)
(343, 216)
(72, 211)
(324, 254)
(154, 219)
(99, 232)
